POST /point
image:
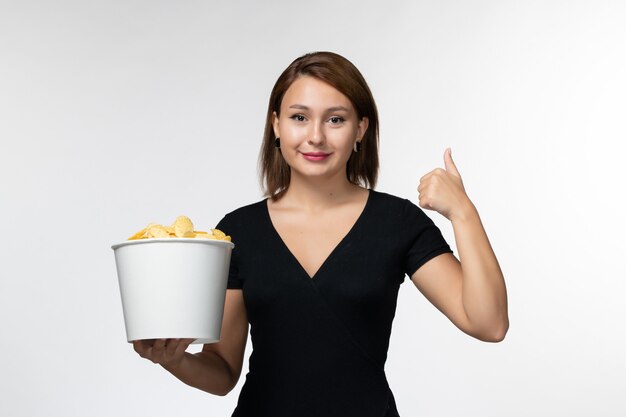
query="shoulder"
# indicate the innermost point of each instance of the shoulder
(398, 213)
(247, 210)
(394, 205)
(243, 216)
(388, 199)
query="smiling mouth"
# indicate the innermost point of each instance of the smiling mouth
(316, 154)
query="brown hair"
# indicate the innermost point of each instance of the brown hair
(362, 167)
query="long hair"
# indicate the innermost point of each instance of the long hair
(337, 71)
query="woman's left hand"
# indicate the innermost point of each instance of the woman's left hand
(442, 190)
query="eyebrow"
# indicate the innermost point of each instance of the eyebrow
(303, 107)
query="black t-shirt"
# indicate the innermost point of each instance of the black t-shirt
(320, 344)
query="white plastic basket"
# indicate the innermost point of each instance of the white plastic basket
(173, 288)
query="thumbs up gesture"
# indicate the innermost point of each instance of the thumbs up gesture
(442, 190)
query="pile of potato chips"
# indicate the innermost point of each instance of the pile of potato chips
(182, 227)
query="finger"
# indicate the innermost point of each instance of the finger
(427, 204)
(138, 346)
(172, 345)
(142, 347)
(437, 172)
(145, 351)
(158, 348)
(422, 201)
(187, 342)
(423, 188)
(427, 176)
(183, 345)
(449, 163)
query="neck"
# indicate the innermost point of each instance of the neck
(315, 194)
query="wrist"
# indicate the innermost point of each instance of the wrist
(174, 366)
(464, 213)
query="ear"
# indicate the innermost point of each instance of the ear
(363, 125)
(275, 124)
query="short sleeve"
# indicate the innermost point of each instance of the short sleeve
(234, 282)
(424, 237)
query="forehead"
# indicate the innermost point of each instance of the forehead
(312, 92)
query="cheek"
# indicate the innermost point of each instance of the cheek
(343, 139)
(292, 133)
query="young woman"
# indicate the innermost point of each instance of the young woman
(317, 264)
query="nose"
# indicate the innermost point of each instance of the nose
(316, 134)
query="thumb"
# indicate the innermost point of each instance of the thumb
(449, 163)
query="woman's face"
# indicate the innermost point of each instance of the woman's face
(317, 128)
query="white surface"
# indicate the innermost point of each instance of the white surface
(117, 113)
(173, 288)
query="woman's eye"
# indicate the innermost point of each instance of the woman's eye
(336, 120)
(298, 117)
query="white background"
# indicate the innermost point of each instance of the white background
(117, 113)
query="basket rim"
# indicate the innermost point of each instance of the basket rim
(202, 241)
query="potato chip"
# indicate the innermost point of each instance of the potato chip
(182, 225)
(158, 231)
(140, 234)
(181, 228)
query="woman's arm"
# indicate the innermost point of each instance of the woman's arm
(472, 292)
(217, 368)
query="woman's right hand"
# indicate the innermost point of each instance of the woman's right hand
(217, 368)
(166, 352)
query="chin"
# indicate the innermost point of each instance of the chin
(314, 173)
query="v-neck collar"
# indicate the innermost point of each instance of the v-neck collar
(356, 224)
